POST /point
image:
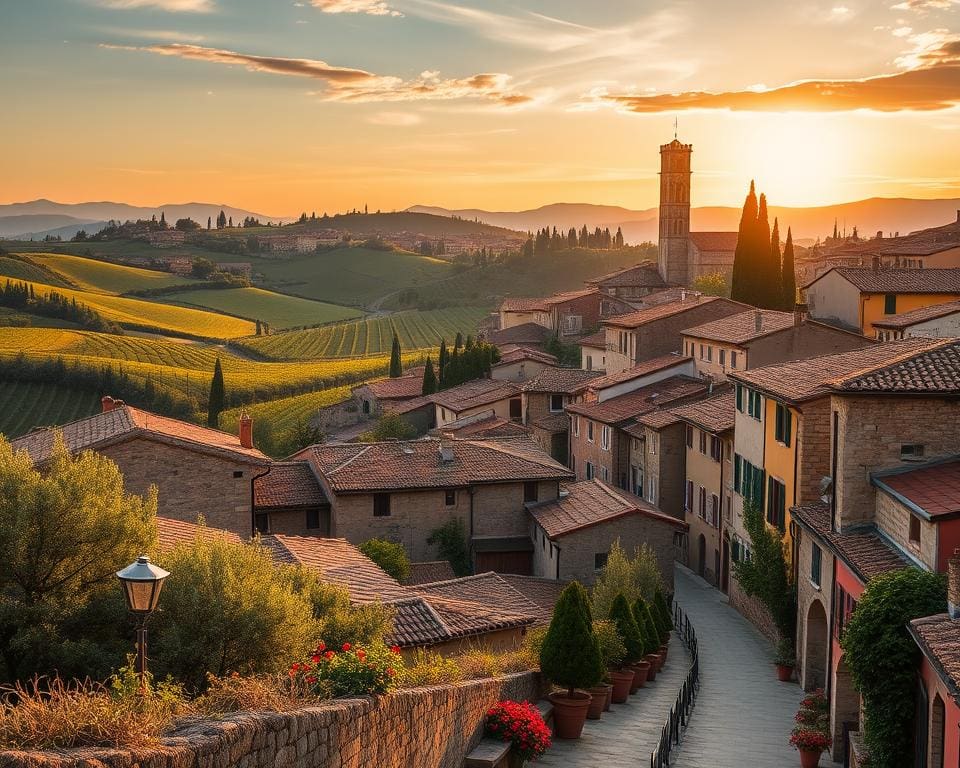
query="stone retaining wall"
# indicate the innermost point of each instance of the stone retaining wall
(419, 728)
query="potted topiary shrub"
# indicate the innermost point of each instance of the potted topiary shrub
(612, 651)
(785, 660)
(662, 615)
(623, 620)
(648, 631)
(811, 735)
(570, 658)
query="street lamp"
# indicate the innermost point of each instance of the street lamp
(141, 582)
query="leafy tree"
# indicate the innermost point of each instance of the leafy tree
(216, 401)
(396, 363)
(570, 654)
(450, 540)
(63, 535)
(221, 220)
(389, 556)
(765, 574)
(623, 618)
(186, 225)
(648, 627)
(302, 433)
(883, 658)
(788, 275)
(636, 577)
(612, 649)
(429, 379)
(390, 426)
(202, 268)
(712, 284)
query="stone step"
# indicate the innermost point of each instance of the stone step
(489, 753)
(546, 711)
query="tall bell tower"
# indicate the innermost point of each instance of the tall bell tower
(675, 212)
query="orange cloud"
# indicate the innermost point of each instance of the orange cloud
(934, 85)
(349, 84)
(369, 7)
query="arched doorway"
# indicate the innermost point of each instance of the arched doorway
(816, 636)
(936, 733)
(845, 714)
(701, 555)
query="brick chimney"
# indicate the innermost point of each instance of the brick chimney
(445, 449)
(800, 313)
(107, 404)
(758, 320)
(246, 430)
(953, 585)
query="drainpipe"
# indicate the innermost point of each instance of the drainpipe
(828, 683)
(253, 497)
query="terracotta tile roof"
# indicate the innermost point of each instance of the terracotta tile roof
(288, 484)
(933, 487)
(715, 241)
(667, 295)
(400, 388)
(543, 592)
(559, 380)
(434, 570)
(742, 328)
(660, 311)
(935, 370)
(644, 275)
(483, 424)
(633, 404)
(466, 618)
(172, 533)
(523, 305)
(473, 394)
(866, 553)
(801, 380)
(488, 589)
(126, 422)
(916, 316)
(555, 422)
(598, 340)
(589, 503)
(895, 280)
(714, 414)
(338, 562)
(416, 623)
(526, 353)
(658, 419)
(367, 468)
(939, 639)
(645, 368)
(525, 333)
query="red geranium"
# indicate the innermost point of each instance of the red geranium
(520, 723)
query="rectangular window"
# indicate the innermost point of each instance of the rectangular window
(530, 490)
(716, 448)
(605, 437)
(590, 431)
(556, 403)
(754, 404)
(703, 502)
(589, 471)
(605, 474)
(776, 504)
(599, 560)
(909, 451)
(313, 519)
(381, 505)
(652, 442)
(733, 359)
(914, 531)
(740, 393)
(450, 498)
(715, 511)
(709, 354)
(844, 606)
(702, 352)
(890, 304)
(784, 424)
(576, 426)
(723, 357)
(703, 442)
(689, 436)
(737, 470)
(816, 555)
(262, 522)
(688, 497)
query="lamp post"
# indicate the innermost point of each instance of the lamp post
(141, 582)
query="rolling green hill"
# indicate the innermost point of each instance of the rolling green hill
(103, 277)
(24, 406)
(17, 269)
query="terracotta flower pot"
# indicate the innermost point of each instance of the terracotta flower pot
(621, 680)
(606, 704)
(640, 671)
(654, 661)
(785, 675)
(809, 758)
(598, 697)
(569, 713)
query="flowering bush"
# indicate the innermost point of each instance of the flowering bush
(520, 723)
(812, 730)
(349, 671)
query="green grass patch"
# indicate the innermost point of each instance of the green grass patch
(103, 277)
(15, 269)
(287, 411)
(24, 406)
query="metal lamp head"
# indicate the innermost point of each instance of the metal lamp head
(141, 582)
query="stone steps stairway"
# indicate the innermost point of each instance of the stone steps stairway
(490, 753)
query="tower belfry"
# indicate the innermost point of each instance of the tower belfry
(675, 211)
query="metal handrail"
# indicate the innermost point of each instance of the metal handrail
(680, 713)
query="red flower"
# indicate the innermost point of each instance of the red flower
(347, 646)
(329, 655)
(321, 647)
(315, 658)
(394, 649)
(390, 671)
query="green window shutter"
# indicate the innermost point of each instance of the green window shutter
(736, 472)
(782, 509)
(740, 398)
(787, 424)
(771, 512)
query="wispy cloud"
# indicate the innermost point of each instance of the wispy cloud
(933, 84)
(924, 5)
(151, 34)
(347, 84)
(396, 119)
(369, 7)
(177, 6)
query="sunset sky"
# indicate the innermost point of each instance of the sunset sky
(280, 106)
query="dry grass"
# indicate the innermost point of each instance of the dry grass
(430, 668)
(52, 714)
(273, 693)
(478, 663)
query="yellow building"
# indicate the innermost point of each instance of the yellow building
(858, 297)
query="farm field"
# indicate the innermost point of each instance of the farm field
(372, 336)
(150, 315)
(24, 406)
(16, 318)
(103, 277)
(283, 413)
(277, 309)
(22, 270)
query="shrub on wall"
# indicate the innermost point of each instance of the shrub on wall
(450, 540)
(350, 670)
(883, 658)
(632, 577)
(389, 556)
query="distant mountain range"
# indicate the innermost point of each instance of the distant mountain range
(39, 218)
(890, 215)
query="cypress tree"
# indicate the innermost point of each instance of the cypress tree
(570, 654)
(442, 361)
(661, 613)
(775, 289)
(623, 619)
(741, 287)
(217, 397)
(648, 628)
(396, 366)
(788, 280)
(458, 342)
(765, 284)
(429, 379)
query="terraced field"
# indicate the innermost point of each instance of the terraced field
(285, 412)
(22, 270)
(277, 309)
(136, 313)
(24, 406)
(103, 277)
(373, 336)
